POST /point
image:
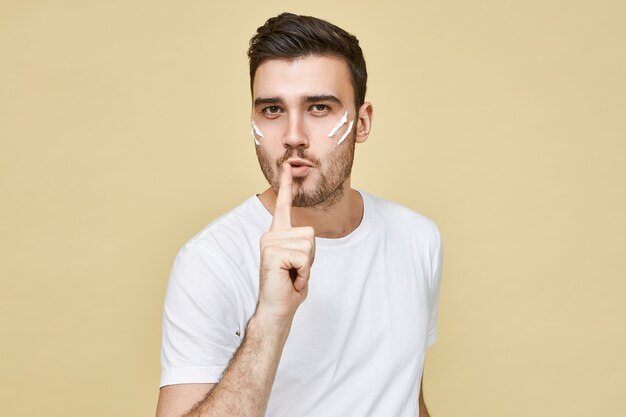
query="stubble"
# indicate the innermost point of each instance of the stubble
(328, 189)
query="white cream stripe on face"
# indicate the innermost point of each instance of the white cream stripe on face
(345, 135)
(255, 129)
(342, 122)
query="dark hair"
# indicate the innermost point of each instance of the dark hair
(291, 36)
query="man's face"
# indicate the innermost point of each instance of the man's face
(297, 104)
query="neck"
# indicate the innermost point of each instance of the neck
(332, 221)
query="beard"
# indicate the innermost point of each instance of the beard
(328, 188)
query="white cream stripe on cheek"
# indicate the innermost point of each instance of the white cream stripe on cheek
(342, 122)
(256, 130)
(345, 135)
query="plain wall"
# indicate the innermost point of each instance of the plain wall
(124, 129)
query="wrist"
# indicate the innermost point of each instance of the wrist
(271, 325)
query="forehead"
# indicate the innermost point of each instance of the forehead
(305, 76)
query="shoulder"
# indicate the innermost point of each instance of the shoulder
(403, 220)
(221, 249)
(227, 241)
(246, 221)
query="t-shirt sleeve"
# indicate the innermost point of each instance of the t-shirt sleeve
(434, 288)
(200, 321)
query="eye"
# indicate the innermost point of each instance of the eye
(272, 112)
(320, 108)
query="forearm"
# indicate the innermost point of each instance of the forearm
(246, 384)
(423, 412)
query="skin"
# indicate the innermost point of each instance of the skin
(288, 248)
(291, 82)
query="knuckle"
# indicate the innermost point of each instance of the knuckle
(270, 250)
(265, 237)
(306, 258)
(269, 238)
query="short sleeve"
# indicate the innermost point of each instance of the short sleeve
(434, 288)
(200, 321)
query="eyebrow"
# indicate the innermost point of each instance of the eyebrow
(307, 99)
(268, 100)
(323, 97)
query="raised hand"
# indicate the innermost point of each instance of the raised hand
(286, 256)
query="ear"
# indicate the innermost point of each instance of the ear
(364, 122)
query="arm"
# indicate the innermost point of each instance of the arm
(245, 386)
(423, 411)
(175, 400)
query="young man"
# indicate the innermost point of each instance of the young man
(312, 298)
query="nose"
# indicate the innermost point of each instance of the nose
(296, 135)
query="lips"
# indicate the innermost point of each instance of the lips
(299, 167)
(299, 163)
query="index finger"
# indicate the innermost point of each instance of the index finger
(282, 211)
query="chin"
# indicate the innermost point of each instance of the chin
(318, 197)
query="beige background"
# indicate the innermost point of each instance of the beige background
(124, 129)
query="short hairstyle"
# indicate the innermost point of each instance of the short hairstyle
(290, 36)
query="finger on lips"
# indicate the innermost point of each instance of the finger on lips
(282, 210)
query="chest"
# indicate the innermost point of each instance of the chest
(369, 309)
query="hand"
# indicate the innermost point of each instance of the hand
(286, 257)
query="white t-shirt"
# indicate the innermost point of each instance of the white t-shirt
(357, 343)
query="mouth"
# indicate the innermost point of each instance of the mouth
(299, 167)
(296, 163)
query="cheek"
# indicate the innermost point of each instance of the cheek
(323, 150)
(266, 161)
(270, 150)
(330, 148)
(329, 157)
